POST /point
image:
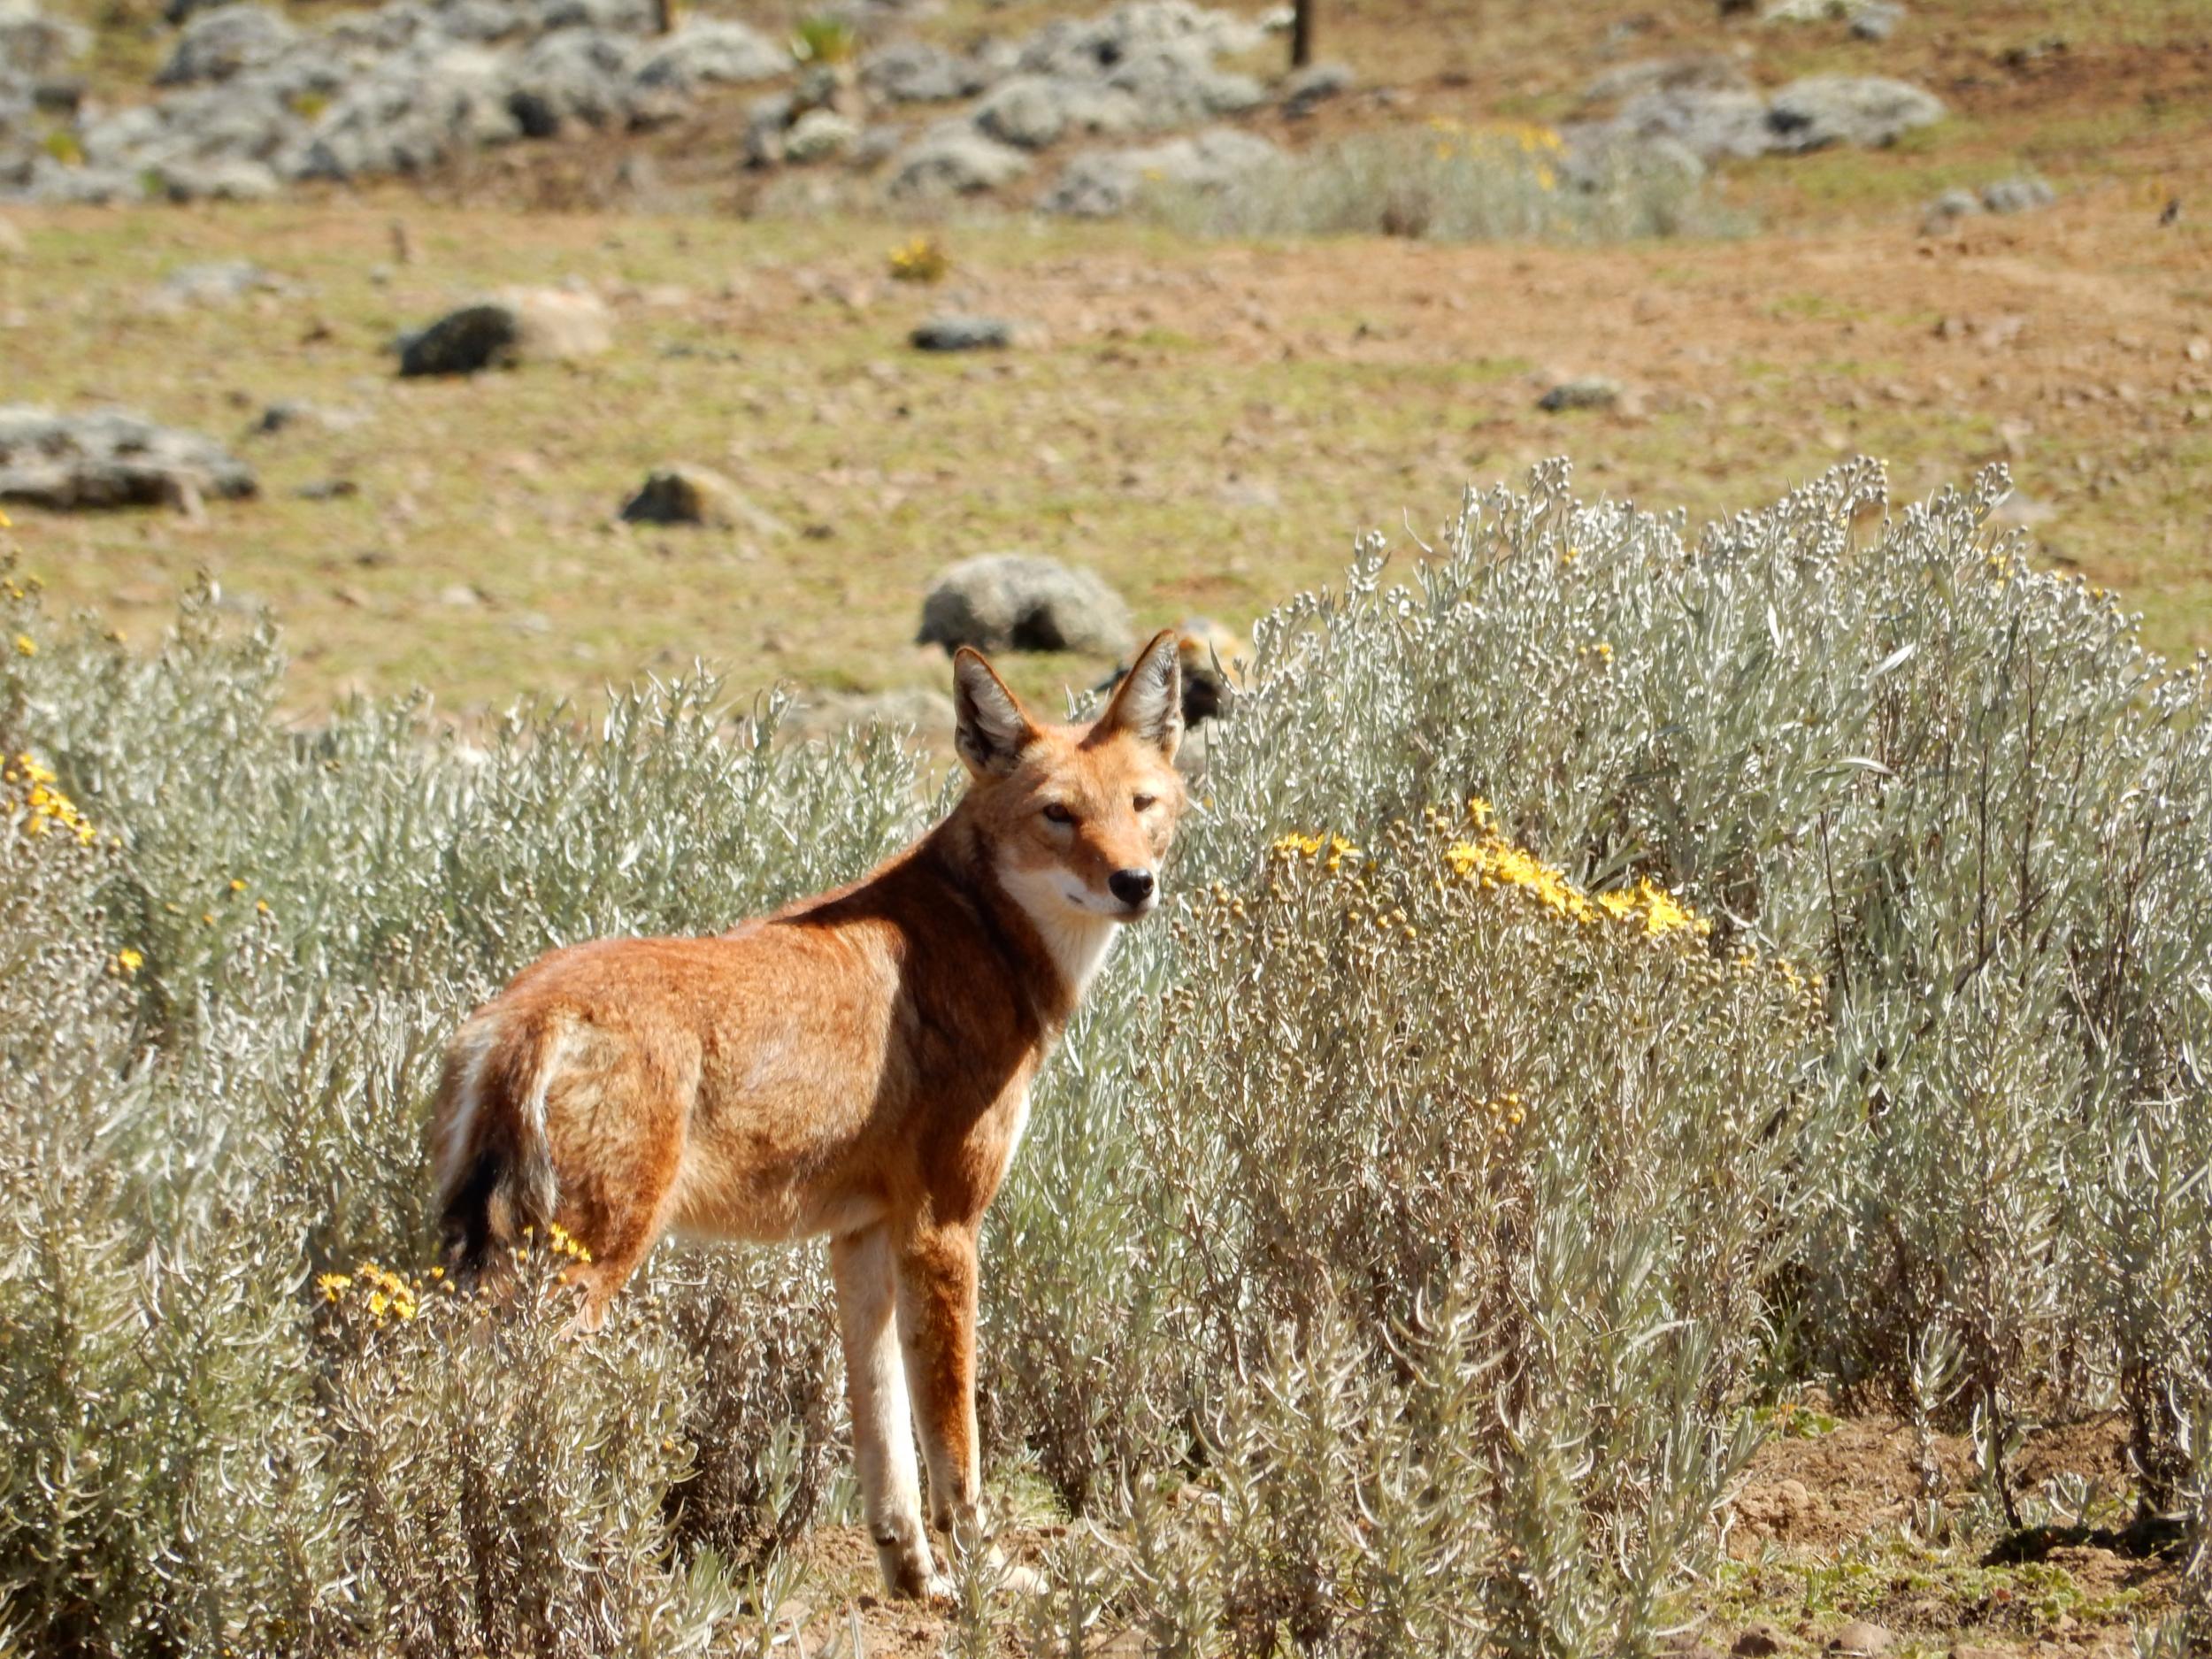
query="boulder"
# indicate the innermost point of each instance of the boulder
(1589, 391)
(215, 283)
(2022, 194)
(110, 458)
(412, 111)
(575, 77)
(1102, 183)
(913, 71)
(962, 333)
(1032, 111)
(219, 44)
(954, 160)
(1179, 85)
(1690, 72)
(232, 179)
(819, 135)
(35, 45)
(1019, 601)
(1709, 124)
(1866, 109)
(536, 325)
(712, 51)
(697, 495)
(1305, 90)
(1096, 45)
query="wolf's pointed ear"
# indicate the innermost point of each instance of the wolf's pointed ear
(1148, 703)
(993, 726)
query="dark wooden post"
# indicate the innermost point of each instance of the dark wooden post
(1301, 34)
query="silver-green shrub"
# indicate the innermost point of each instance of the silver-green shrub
(1399, 1248)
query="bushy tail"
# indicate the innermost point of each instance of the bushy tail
(495, 1166)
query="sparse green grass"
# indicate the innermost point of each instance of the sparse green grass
(1134, 439)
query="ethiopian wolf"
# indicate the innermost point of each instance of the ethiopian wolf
(856, 1064)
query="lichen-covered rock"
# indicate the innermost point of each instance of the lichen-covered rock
(697, 495)
(521, 325)
(1019, 601)
(110, 458)
(954, 160)
(915, 72)
(578, 77)
(33, 43)
(1103, 183)
(712, 51)
(1032, 111)
(1870, 110)
(415, 109)
(219, 44)
(819, 135)
(962, 333)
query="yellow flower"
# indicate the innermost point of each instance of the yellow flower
(237, 884)
(25, 646)
(7, 523)
(129, 961)
(334, 1286)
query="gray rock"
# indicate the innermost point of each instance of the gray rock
(767, 121)
(412, 110)
(577, 76)
(1096, 45)
(218, 44)
(1708, 124)
(1304, 90)
(110, 458)
(712, 51)
(1876, 19)
(2022, 194)
(1590, 391)
(962, 333)
(1032, 111)
(1691, 72)
(218, 282)
(1101, 184)
(89, 187)
(34, 45)
(1017, 602)
(285, 415)
(913, 71)
(954, 160)
(623, 17)
(697, 495)
(1947, 209)
(1867, 109)
(819, 135)
(522, 325)
(1177, 86)
(225, 179)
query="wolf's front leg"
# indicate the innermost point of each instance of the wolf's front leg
(937, 1306)
(883, 1433)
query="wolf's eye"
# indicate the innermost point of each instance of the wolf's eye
(1055, 813)
(1143, 802)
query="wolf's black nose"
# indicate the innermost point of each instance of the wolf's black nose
(1132, 888)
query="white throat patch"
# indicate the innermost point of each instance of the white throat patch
(1076, 932)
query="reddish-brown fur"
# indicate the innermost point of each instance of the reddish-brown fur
(855, 1065)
